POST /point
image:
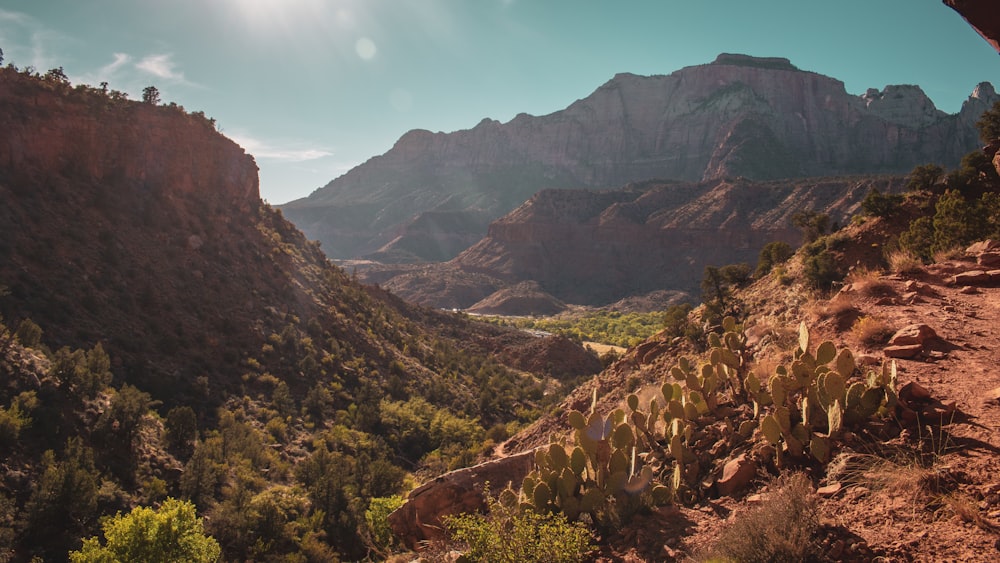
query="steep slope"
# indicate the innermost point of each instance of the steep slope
(137, 230)
(761, 118)
(596, 247)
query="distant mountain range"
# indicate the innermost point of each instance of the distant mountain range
(434, 194)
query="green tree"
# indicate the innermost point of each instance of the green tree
(924, 177)
(919, 238)
(877, 204)
(28, 333)
(989, 124)
(168, 534)
(64, 501)
(151, 95)
(812, 224)
(181, 429)
(957, 222)
(771, 255)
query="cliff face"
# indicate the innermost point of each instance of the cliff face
(97, 140)
(594, 248)
(739, 116)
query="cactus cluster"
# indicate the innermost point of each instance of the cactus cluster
(812, 400)
(657, 451)
(603, 475)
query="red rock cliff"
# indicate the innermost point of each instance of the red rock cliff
(127, 144)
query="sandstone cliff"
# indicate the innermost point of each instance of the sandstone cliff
(596, 247)
(738, 116)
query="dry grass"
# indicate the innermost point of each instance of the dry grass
(869, 283)
(907, 478)
(840, 310)
(782, 528)
(965, 507)
(904, 262)
(950, 254)
(871, 332)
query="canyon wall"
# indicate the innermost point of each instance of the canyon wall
(759, 118)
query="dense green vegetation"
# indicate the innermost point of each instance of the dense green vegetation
(605, 327)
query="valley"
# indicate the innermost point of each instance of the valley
(731, 313)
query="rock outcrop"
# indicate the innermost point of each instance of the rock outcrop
(761, 118)
(597, 247)
(982, 15)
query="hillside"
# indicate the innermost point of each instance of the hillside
(917, 485)
(433, 194)
(144, 285)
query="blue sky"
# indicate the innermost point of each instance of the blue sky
(315, 87)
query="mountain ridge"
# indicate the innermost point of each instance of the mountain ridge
(761, 118)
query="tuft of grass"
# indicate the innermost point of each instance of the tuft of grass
(904, 262)
(840, 309)
(965, 507)
(956, 253)
(869, 283)
(871, 332)
(782, 528)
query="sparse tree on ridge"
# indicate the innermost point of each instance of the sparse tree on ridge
(151, 95)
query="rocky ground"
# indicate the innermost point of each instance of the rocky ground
(931, 493)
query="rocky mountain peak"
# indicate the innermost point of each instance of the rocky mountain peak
(757, 117)
(774, 63)
(904, 104)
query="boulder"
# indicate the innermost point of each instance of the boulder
(913, 334)
(982, 246)
(736, 475)
(972, 277)
(455, 492)
(988, 259)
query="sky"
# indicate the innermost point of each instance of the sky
(313, 88)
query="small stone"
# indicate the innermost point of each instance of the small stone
(993, 396)
(969, 290)
(829, 490)
(905, 352)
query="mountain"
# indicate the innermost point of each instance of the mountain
(593, 248)
(433, 194)
(141, 276)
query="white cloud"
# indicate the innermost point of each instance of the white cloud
(161, 66)
(293, 151)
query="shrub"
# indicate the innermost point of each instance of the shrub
(172, 532)
(812, 224)
(821, 270)
(506, 534)
(28, 333)
(781, 529)
(919, 238)
(772, 254)
(871, 331)
(957, 222)
(877, 204)
(904, 262)
(924, 177)
(377, 520)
